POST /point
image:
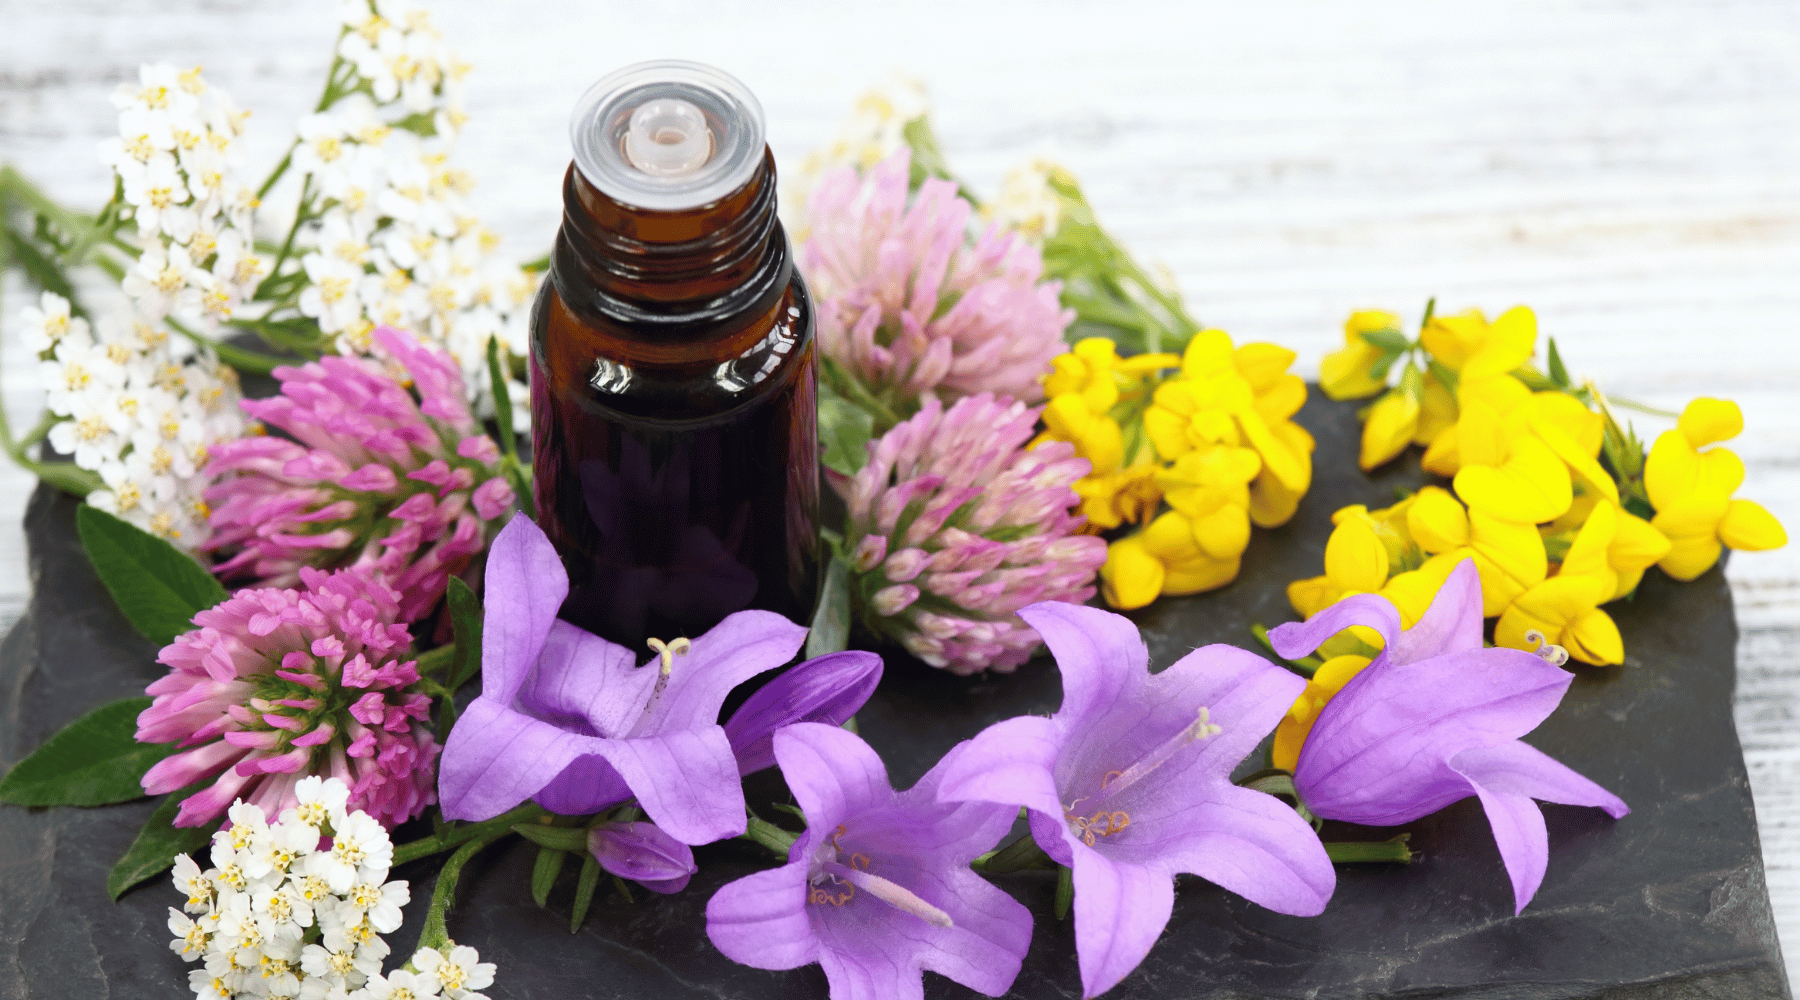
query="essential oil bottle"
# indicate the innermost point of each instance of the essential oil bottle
(673, 382)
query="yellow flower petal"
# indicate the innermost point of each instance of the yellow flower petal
(1436, 521)
(1310, 596)
(1550, 607)
(1674, 473)
(1481, 421)
(1511, 340)
(1208, 353)
(1199, 575)
(1748, 526)
(1224, 533)
(1550, 422)
(1510, 558)
(1131, 577)
(1167, 430)
(1443, 457)
(1587, 555)
(1692, 528)
(1327, 681)
(1346, 374)
(1272, 503)
(1706, 420)
(1355, 557)
(1586, 427)
(1262, 364)
(1170, 537)
(1278, 459)
(1412, 592)
(1284, 398)
(1437, 412)
(1594, 638)
(1452, 339)
(1389, 428)
(1533, 485)
(1636, 545)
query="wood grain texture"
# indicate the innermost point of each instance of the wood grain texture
(1631, 170)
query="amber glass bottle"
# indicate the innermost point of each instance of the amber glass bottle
(673, 392)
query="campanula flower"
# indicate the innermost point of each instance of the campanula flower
(1434, 719)
(571, 721)
(643, 853)
(1129, 783)
(879, 887)
(828, 689)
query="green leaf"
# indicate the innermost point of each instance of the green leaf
(1390, 851)
(928, 158)
(157, 586)
(1384, 364)
(503, 414)
(844, 430)
(557, 838)
(1558, 373)
(831, 623)
(157, 844)
(543, 874)
(465, 624)
(1446, 376)
(1387, 339)
(584, 891)
(94, 761)
(1065, 891)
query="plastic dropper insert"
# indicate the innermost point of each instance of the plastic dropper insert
(667, 135)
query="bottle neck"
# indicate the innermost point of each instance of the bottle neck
(668, 279)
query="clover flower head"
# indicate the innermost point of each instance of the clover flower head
(276, 686)
(908, 306)
(954, 526)
(406, 487)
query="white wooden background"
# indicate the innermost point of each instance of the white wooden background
(1631, 170)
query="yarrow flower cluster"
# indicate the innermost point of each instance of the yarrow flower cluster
(875, 130)
(135, 410)
(396, 242)
(177, 162)
(953, 527)
(405, 488)
(274, 686)
(909, 306)
(296, 908)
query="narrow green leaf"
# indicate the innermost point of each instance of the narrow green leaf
(1446, 376)
(94, 761)
(156, 845)
(465, 624)
(584, 891)
(157, 586)
(543, 874)
(831, 623)
(624, 890)
(1392, 851)
(1065, 891)
(1020, 855)
(44, 272)
(503, 413)
(1384, 364)
(557, 838)
(1558, 373)
(1387, 339)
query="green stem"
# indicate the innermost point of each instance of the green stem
(433, 660)
(1642, 407)
(302, 213)
(280, 169)
(237, 357)
(770, 836)
(435, 934)
(460, 834)
(1379, 851)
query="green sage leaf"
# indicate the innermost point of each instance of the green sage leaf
(543, 874)
(157, 844)
(94, 761)
(158, 587)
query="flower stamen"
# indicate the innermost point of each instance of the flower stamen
(1545, 650)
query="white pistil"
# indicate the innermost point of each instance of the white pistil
(668, 651)
(895, 896)
(1201, 728)
(1549, 652)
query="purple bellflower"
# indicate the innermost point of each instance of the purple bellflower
(1130, 782)
(1436, 718)
(828, 689)
(643, 853)
(571, 721)
(879, 887)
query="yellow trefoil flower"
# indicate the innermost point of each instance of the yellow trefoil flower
(1346, 374)
(1691, 491)
(1296, 725)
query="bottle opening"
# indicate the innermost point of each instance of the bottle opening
(668, 135)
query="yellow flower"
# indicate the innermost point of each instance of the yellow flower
(1691, 491)
(1392, 421)
(1128, 495)
(1088, 371)
(1197, 554)
(1436, 521)
(1273, 502)
(1437, 411)
(1095, 435)
(1510, 558)
(1636, 546)
(1346, 374)
(1356, 561)
(1327, 681)
(1565, 609)
(1411, 592)
(1131, 577)
(1451, 339)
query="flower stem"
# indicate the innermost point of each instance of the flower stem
(1394, 850)
(459, 834)
(1020, 855)
(769, 835)
(243, 360)
(435, 934)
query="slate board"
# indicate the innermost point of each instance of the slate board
(1668, 902)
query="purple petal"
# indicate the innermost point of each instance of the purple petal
(1010, 762)
(740, 647)
(525, 586)
(1251, 843)
(1097, 652)
(1246, 696)
(580, 676)
(1379, 751)
(1451, 625)
(760, 920)
(1120, 911)
(586, 784)
(830, 772)
(1522, 769)
(686, 780)
(827, 689)
(1296, 639)
(643, 853)
(1518, 826)
(496, 758)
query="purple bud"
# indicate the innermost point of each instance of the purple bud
(827, 689)
(643, 853)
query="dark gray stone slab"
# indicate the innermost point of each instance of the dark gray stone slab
(1668, 902)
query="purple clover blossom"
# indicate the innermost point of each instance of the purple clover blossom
(571, 721)
(879, 886)
(909, 308)
(1129, 783)
(1436, 718)
(373, 477)
(954, 526)
(643, 853)
(827, 689)
(275, 685)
